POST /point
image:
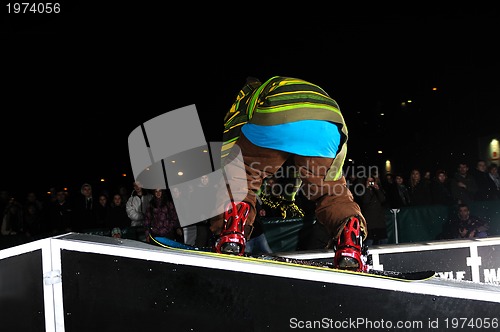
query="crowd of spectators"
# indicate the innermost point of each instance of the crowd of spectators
(116, 212)
(60, 211)
(423, 188)
(465, 185)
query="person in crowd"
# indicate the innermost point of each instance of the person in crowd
(418, 189)
(12, 218)
(12, 227)
(33, 221)
(427, 177)
(61, 214)
(398, 194)
(495, 178)
(485, 186)
(440, 189)
(102, 211)
(85, 206)
(465, 225)
(34, 214)
(136, 207)
(372, 206)
(5, 198)
(117, 214)
(284, 118)
(124, 192)
(387, 183)
(161, 218)
(32, 199)
(463, 185)
(48, 200)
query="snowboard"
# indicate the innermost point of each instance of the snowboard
(274, 259)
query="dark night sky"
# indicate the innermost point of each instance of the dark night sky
(76, 86)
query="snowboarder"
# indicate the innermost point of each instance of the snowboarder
(272, 122)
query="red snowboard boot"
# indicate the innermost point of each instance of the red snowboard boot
(232, 238)
(350, 254)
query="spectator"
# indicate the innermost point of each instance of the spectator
(465, 225)
(161, 218)
(124, 193)
(34, 214)
(84, 208)
(463, 185)
(117, 215)
(61, 215)
(440, 189)
(399, 194)
(102, 211)
(4, 200)
(493, 174)
(32, 199)
(418, 189)
(12, 218)
(485, 185)
(427, 177)
(387, 183)
(48, 200)
(136, 207)
(372, 207)
(12, 225)
(32, 221)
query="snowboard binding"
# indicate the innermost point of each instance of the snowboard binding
(232, 238)
(350, 253)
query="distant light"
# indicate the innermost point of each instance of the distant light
(494, 150)
(388, 166)
(180, 173)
